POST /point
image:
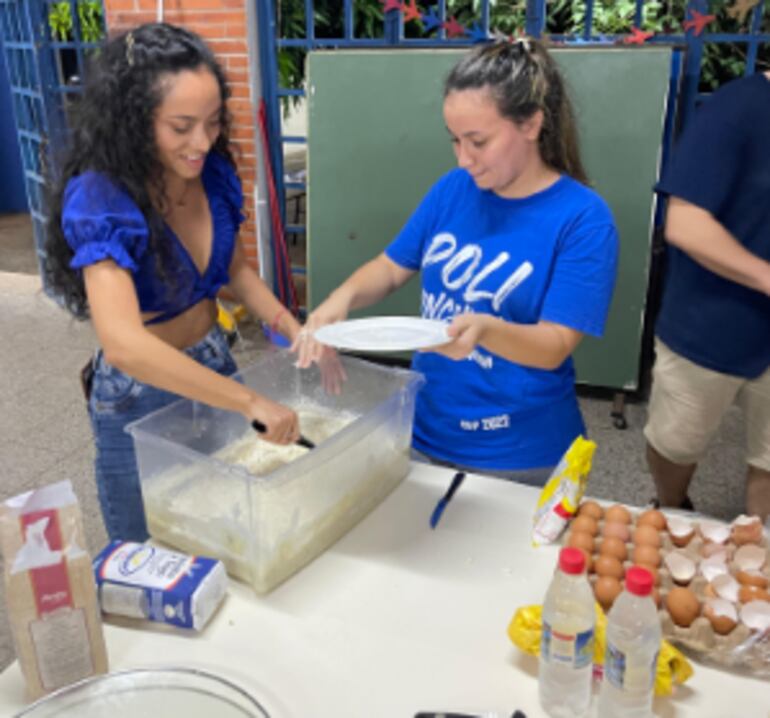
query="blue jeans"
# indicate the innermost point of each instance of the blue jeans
(116, 400)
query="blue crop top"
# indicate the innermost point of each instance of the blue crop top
(101, 221)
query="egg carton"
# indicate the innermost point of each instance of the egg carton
(741, 649)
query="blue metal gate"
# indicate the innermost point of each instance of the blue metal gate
(44, 73)
(440, 29)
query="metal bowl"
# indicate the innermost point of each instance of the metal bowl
(157, 692)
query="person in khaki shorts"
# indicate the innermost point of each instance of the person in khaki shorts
(713, 331)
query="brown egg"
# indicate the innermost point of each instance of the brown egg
(752, 578)
(585, 524)
(608, 566)
(592, 509)
(606, 590)
(645, 554)
(581, 540)
(652, 517)
(618, 513)
(612, 546)
(655, 594)
(616, 530)
(647, 535)
(683, 606)
(721, 624)
(751, 593)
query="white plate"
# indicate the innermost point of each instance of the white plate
(384, 334)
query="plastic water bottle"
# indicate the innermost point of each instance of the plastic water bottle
(633, 642)
(567, 644)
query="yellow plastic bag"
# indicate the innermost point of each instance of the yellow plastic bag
(525, 628)
(561, 495)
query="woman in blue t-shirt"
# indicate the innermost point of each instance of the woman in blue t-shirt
(517, 252)
(143, 234)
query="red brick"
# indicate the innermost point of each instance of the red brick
(237, 61)
(240, 90)
(125, 19)
(115, 5)
(230, 47)
(237, 29)
(235, 76)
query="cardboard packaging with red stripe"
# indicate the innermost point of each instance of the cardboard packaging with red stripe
(50, 590)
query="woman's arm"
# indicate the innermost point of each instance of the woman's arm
(697, 233)
(128, 346)
(368, 285)
(544, 345)
(255, 295)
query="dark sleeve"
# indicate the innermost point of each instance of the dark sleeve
(707, 159)
(100, 221)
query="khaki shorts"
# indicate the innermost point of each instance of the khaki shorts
(688, 402)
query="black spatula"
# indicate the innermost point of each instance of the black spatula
(302, 441)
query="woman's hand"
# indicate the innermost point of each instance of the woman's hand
(465, 331)
(308, 350)
(282, 423)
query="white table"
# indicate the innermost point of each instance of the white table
(397, 618)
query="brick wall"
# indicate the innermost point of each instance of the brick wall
(224, 25)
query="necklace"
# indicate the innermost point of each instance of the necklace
(182, 201)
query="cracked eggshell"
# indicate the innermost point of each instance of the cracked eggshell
(750, 557)
(721, 614)
(756, 615)
(714, 566)
(753, 577)
(680, 530)
(714, 532)
(746, 529)
(724, 586)
(680, 566)
(746, 594)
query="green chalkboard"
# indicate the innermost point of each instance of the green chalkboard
(377, 142)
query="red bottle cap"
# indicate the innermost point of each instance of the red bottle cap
(639, 581)
(572, 561)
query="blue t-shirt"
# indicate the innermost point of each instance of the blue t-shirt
(101, 221)
(722, 164)
(551, 256)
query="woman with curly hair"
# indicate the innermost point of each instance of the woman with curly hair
(143, 234)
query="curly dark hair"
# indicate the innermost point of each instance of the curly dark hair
(112, 132)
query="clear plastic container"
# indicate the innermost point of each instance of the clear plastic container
(266, 527)
(567, 644)
(159, 692)
(633, 643)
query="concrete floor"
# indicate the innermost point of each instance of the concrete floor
(45, 436)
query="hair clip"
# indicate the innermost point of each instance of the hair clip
(523, 43)
(130, 49)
